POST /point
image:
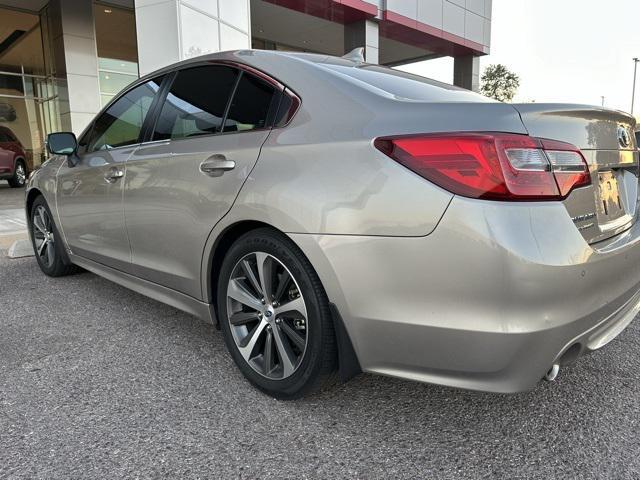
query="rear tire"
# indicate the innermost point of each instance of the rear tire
(47, 242)
(285, 346)
(19, 178)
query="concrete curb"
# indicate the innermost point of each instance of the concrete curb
(20, 249)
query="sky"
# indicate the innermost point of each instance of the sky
(563, 50)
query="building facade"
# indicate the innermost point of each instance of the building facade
(61, 61)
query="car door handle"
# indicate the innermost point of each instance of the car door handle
(113, 174)
(216, 165)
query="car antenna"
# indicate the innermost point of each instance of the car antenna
(355, 55)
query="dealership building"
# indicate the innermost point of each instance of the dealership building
(61, 61)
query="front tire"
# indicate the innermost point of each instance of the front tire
(274, 315)
(46, 241)
(19, 178)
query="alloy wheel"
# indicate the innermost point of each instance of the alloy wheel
(21, 174)
(267, 315)
(43, 236)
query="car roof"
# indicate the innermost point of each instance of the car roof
(356, 73)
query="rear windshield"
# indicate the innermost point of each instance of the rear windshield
(404, 85)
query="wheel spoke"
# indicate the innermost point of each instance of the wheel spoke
(295, 305)
(238, 292)
(36, 223)
(265, 273)
(242, 318)
(287, 357)
(248, 343)
(295, 337)
(49, 251)
(248, 271)
(283, 283)
(43, 218)
(268, 353)
(42, 246)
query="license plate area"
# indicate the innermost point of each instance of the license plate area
(610, 207)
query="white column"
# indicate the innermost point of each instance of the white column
(75, 57)
(172, 30)
(363, 33)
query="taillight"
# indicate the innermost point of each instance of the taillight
(491, 166)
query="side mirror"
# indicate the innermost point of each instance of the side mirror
(62, 143)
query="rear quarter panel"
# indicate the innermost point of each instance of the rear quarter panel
(323, 175)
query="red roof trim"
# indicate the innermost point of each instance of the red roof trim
(361, 5)
(338, 11)
(434, 32)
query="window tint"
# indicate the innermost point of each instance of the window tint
(250, 105)
(83, 141)
(120, 125)
(196, 102)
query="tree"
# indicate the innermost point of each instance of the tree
(499, 83)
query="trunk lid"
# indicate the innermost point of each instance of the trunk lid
(608, 206)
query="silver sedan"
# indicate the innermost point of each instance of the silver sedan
(332, 217)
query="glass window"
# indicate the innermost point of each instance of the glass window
(250, 105)
(116, 65)
(83, 141)
(117, 49)
(121, 124)
(196, 102)
(112, 83)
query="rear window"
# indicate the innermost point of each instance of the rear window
(403, 85)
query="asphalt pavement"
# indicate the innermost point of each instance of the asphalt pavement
(99, 382)
(10, 197)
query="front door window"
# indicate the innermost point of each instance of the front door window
(122, 123)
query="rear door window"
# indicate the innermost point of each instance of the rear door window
(251, 105)
(196, 102)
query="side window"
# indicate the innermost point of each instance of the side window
(83, 141)
(250, 105)
(121, 124)
(196, 102)
(4, 137)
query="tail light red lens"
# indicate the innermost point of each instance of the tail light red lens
(491, 166)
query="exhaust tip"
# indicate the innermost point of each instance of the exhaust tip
(551, 375)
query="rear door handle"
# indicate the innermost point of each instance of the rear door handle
(113, 174)
(216, 165)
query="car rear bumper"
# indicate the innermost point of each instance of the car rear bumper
(496, 295)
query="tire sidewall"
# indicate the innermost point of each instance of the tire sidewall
(58, 262)
(311, 364)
